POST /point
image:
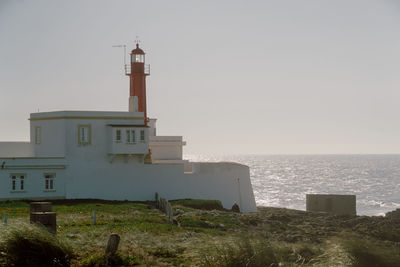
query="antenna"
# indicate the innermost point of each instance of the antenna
(137, 40)
(124, 46)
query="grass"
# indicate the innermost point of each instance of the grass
(32, 245)
(365, 253)
(246, 252)
(199, 204)
(204, 237)
(110, 261)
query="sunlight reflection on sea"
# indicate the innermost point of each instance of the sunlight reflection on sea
(284, 180)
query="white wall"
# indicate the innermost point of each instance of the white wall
(53, 140)
(130, 180)
(34, 183)
(166, 147)
(16, 149)
(122, 147)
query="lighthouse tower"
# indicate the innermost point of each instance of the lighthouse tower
(137, 72)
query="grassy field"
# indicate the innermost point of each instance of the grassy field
(206, 235)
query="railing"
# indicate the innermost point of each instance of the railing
(128, 69)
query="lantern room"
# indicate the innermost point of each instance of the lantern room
(137, 55)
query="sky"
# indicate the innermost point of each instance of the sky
(232, 77)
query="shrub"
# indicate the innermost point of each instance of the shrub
(31, 245)
(364, 253)
(201, 204)
(115, 260)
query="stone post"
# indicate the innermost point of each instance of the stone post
(94, 217)
(112, 244)
(41, 212)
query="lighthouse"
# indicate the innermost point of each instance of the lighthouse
(137, 72)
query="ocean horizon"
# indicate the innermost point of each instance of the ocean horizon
(284, 180)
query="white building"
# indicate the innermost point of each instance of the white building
(114, 156)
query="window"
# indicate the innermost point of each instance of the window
(138, 58)
(14, 183)
(49, 181)
(142, 136)
(17, 182)
(38, 135)
(118, 136)
(84, 134)
(130, 136)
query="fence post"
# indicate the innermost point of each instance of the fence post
(171, 213)
(5, 218)
(156, 198)
(94, 217)
(112, 244)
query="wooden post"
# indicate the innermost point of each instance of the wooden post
(156, 198)
(112, 244)
(5, 218)
(94, 217)
(170, 213)
(161, 204)
(165, 205)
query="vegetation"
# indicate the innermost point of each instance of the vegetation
(31, 245)
(199, 236)
(199, 204)
(260, 253)
(364, 252)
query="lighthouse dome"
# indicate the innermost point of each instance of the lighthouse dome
(137, 50)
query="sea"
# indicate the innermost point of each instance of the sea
(284, 180)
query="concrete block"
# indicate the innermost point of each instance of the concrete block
(40, 207)
(335, 204)
(47, 219)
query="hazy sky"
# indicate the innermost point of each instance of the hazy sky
(232, 77)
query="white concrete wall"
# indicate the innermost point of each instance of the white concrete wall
(130, 180)
(16, 149)
(166, 147)
(53, 140)
(153, 127)
(101, 140)
(60, 131)
(34, 183)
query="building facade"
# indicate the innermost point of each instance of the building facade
(114, 156)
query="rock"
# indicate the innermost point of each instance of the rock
(393, 214)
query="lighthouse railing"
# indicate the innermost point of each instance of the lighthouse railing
(128, 69)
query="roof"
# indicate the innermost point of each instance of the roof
(106, 115)
(128, 125)
(137, 50)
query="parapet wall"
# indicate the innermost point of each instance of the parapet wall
(15, 149)
(336, 204)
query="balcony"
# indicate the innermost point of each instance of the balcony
(127, 140)
(128, 69)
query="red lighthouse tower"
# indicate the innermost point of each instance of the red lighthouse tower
(137, 73)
